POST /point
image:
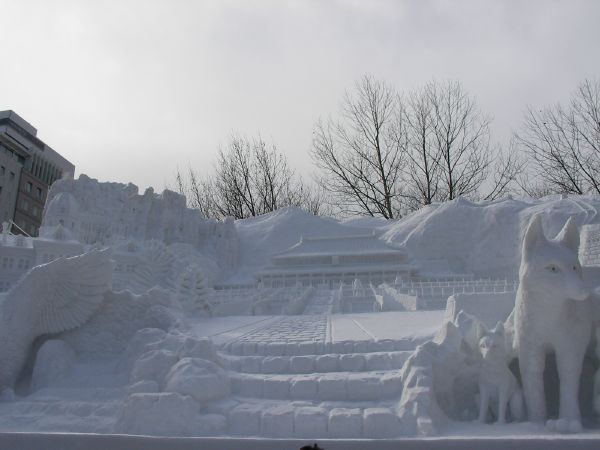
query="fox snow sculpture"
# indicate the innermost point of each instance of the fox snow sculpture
(496, 382)
(552, 314)
(50, 298)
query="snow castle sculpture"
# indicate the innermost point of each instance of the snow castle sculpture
(110, 213)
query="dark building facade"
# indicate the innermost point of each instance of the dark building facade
(28, 167)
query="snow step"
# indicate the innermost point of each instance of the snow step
(341, 386)
(351, 362)
(284, 420)
(283, 348)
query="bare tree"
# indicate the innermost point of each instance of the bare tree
(462, 138)
(563, 144)
(422, 171)
(361, 155)
(504, 174)
(249, 178)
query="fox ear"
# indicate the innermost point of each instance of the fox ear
(534, 235)
(569, 235)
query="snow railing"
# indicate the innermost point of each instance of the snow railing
(389, 299)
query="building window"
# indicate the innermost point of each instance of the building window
(39, 192)
(2, 170)
(25, 205)
(28, 186)
(36, 211)
(12, 176)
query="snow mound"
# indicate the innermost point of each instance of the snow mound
(483, 238)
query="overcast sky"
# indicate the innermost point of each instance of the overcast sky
(130, 90)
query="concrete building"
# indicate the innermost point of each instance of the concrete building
(28, 167)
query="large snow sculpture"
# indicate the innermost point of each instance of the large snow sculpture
(552, 313)
(51, 298)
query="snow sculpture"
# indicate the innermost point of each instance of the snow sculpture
(110, 213)
(51, 298)
(552, 313)
(192, 292)
(155, 268)
(496, 382)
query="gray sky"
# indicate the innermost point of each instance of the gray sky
(128, 90)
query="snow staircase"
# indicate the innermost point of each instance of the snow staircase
(312, 388)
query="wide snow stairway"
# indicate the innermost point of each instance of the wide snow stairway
(289, 379)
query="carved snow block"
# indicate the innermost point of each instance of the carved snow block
(352, 363)
(277, 387)
(275, 364)
(251, 364)
(345, 423)
(307, 348)
(304, 388)
(310, 422)
(248, 386)
(326, 363)
(244, 420)
(391, 385)
(302, 364)
(278, 421)
(332, 387)
(276, 348)
(378, 361)
(380, 423)
(363, 387)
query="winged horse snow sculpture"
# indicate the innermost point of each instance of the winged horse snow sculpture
(50, 298)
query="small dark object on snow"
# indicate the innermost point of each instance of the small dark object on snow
(314, 447)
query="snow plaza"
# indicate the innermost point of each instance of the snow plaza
(133, 318)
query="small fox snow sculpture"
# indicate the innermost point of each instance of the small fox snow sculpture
(552, 314)
(496, 381)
